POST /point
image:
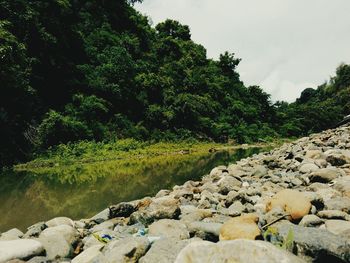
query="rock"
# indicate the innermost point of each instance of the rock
(35, 230)
(338, 157)
(205, 230)
(325, 175)
(311, 221)
(39, 259)
(56, 246)
(236, 209)
(259, 171)
(343, 185)
(315, 154)
(242, 227)
(12, 234)
(60, 221)
(102, 216)
(165, 250)
(293, 202)
(192, 213)
(227, 184)
(337, 226)
(316, 245)
(121, 210)
(308, 168)
(69, 233)
(161, 208)
(109, 224)
(126, 250)
(338, 203)
(20, 249)
(237, 251)
(169, 228)
(333, 214)
(90, 255)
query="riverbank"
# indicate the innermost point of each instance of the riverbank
(296, 197)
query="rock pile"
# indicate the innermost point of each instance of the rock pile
(291, 204)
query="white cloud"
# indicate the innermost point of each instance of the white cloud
(285, 45)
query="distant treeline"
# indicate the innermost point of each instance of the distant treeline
(75, 70)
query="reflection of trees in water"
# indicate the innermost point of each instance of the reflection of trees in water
(83, 190)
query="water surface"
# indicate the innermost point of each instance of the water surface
(81, 191)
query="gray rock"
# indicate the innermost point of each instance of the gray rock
(308, 168)
(333, 214)
(205, 231)
(343, 185)
(60, 221)
(259, 171)
(227, 184)
(310, 221)
(90, 255)
(237, 251)
(12, 234)
(337, 226)
(39, 259)
(20, 249)
(316, 245)
(338, 203)
(56, 246)
(169, 228)
(165, 250)
(101, 216)
(126, 250)
(70, 234)
(325, 175)
(35, 230)
(109, 224)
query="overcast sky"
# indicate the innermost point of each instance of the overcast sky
(285, 45)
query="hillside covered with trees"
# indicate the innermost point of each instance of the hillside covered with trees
(73, 70)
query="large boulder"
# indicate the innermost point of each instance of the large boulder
(90, 255)
(169, 228)
(294, 203)
(242, 227)
(20, 249)
(60, 221)
(315, 244)
(12, 234)
(237, 251)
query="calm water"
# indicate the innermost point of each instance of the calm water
(81, 191)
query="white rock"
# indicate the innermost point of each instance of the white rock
(91, 255)
(60, 221)
(19, 249)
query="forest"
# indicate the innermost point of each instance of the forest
(98, 70)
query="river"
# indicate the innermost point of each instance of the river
(81, 191)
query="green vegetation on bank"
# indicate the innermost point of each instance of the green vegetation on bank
(74, 70)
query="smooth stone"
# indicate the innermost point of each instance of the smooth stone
(315, 244)
(169, 228)
(292, 202)
(11, 234)
(107, 225)
(126, 250)
(165, 250)
(90, 255)
(56, 246)
(236, 251)
(20, 249)
(338, 203)
(60, 221)
(35, 230)
(70, 234)
(337, 226)
(101, 216)
(343, 185)
(308, 168)
(205, 230)
(310, 221)
(227, 184)
(325, 175)
(333, 214)
(242, 227)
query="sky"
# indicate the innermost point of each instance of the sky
(285, 45)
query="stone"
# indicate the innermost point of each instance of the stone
(259, 171)
(311, 221)
(70, 234)
(235, 251)
(242, 227)
(90, 255)
(315, 154)
(109, 224)
(192, 213)
(60, 221)
(294, 203)
(338, 203)
(315, 244)
(101, 216)
(20, 249)
(56, 246)
(338, 157)
(121, 210)
(11, 234)
(325, 175)
(227, 184)
(308, 168)
(126, 250)
(165, 250)
(35, 230)
(333, 214)
(169, 228)
(343, 186)
(337, 226)
(205, 230)
(236, 209)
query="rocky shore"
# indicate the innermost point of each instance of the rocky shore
(291, 204)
